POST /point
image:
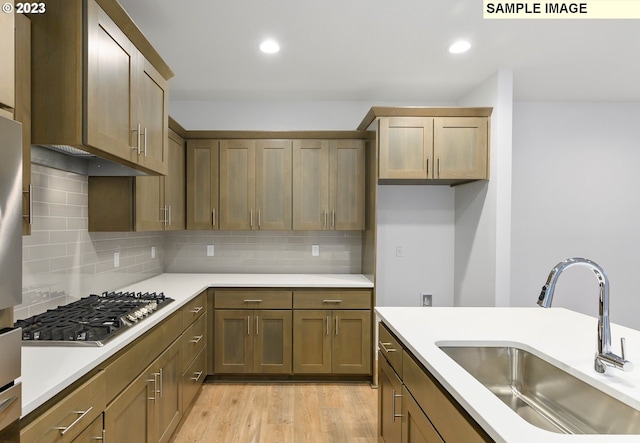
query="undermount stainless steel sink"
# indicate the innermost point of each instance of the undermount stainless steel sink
(543, 394)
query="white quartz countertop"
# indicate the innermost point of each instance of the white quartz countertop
(565, 338)
(47, 370)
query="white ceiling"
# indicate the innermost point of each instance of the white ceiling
(386, 50)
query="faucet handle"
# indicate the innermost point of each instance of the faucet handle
(623, 346)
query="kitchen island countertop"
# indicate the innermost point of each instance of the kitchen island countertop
(47, 370)
(564, 337)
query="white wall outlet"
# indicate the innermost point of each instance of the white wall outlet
(315, 250)
(399, 251)
(426, 299)
(116, 259)
(153, 252)
(210, 252)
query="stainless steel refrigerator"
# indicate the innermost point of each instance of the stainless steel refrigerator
(10, 273)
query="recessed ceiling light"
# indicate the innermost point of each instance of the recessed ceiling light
(459, 47)
(269, 47)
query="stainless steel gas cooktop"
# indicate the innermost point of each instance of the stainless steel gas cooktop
(92, 320)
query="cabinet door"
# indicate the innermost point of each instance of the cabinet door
(460, 147)
(311, 342)
(233, 341)
(130, 416)
(273, 185)
(406, 147)
(351, 342)
(202, 184)
(169, 404)
(94, 432)
(7, 61)
(310, 185)
(272, 342)
(149, 213)
(174, 186)
(150, 110)
(389, 403)
(416, 427)
(237, 185)
(110, 82)
(346, 182)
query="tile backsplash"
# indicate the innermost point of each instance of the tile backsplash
(62, 261)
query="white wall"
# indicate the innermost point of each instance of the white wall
(483, 209)
(420, 220)
(576, 171)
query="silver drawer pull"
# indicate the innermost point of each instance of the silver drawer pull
(395, 415)
(196, 339)
(5, 404)
(384, 347)
(197, 310)
(64, 430)
(197, 376)
(332, 301)
(253, 301)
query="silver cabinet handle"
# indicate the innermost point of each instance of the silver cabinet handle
(213, 217)
(393, 408)
(324, 216)
(197, 310)
(163, 216)
(337, 324)
(384, 347)
(102, 439)
(333, 218)
(137, 147)
(197, 376)
(257, 323)
(254, 300)
(64, 429)
(259, 218)
(169, 215)
(160, 383)
(332, 301)
(327, 325)
(155, 387)
(29, 216)
(144, 138)
(5, 404)
(251, 218)
(196, 339)
(248, 325)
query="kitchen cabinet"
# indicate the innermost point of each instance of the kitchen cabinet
(328, 184)
(149, 203)
(23, 111)
(7, 63)
(194, 347)
(252, 332)
(332, 332)
(202, 184)
(412, 406)
(94, 89)
(93, 432)
(255, 184)
(433, 148)
(66, 419)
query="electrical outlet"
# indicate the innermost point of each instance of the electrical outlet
(399, 251)
(116, 259)
(315, 250)
(153, 252)
(210, 252)
(426, 299)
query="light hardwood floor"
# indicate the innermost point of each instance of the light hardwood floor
(282, 413)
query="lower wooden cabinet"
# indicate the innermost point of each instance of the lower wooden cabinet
(389, 403)
(253, 341)
(332, 342)
(416, 427)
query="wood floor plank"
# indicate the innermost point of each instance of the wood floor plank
(282, 413)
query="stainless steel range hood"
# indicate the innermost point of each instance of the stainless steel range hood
(70, 159)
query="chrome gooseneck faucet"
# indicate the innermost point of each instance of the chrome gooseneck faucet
(604, 356)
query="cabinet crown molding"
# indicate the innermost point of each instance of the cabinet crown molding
(420, 111)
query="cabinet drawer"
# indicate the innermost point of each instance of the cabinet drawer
(194, 340)
(10, 405)
(343, 299)
(193, 377)
(93, 433)
(69, 417)
(252, 299)
(390, 348)
(194, 309)
(452, 422)
(144, 350)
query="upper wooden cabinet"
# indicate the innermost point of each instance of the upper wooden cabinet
(431, 145)
(255, 184)
(7, 63)
(202, 184)
(328, 184)
(93, 88)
